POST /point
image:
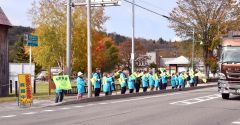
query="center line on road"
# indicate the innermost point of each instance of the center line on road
(78, 106)
(8, 116)
(236, 122)
(103, 103)
(65, 108)
(90, 104)
(29, 113)
(48, 110)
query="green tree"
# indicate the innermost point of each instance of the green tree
(209, 18)
(153, 65)
(17, 53)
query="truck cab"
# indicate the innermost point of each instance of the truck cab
(229, 68)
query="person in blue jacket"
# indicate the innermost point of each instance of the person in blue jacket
(97, 82)
(191, 82)
(145, 81)
(176, 81)
(151, 80)
(131, 82)
(164, 80)
(111, 79)
(123, 81)
(106, 81)
(157, 79)
(173, 81)
(180, 81)
(80, 85)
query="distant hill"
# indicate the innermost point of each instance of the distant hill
(16, 33)
(166, 49)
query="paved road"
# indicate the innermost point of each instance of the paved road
(196, 107)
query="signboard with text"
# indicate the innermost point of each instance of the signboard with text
(25, 89)
(31, 40)
(62, 82)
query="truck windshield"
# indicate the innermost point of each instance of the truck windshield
(230, 55)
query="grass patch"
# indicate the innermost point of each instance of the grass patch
(41, 93)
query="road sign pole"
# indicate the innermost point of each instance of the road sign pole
(68, 54)
(193, 48)
(133, 34)
(30, 60)
(89, 47)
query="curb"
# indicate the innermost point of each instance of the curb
(113, 97)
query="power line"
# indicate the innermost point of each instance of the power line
(152, 11)
(148, 9)
(153, 5)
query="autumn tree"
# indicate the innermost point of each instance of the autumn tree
(126, 50)
(210, 19)
(49, 19)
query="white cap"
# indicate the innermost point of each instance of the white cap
(80, 73)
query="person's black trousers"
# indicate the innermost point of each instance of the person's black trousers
(160, 85)
(123, 90)
(131, 90)
(97, 91)
(137, 87)
(145, 89)
(59, 97)
(164, 86)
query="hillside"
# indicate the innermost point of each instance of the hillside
(16, 32)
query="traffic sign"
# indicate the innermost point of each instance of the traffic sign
(32, 43)
(31, 40)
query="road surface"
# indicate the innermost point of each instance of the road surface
(195, 107)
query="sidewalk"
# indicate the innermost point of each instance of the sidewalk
(8, 106)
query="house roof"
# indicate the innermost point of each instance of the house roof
(3, 19)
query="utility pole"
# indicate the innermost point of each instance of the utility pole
(88, 4)
(133, 34)
(89, 48)
(193, 47)
(69, 34)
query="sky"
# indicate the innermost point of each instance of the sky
(147, 24)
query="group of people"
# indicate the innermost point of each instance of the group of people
(152, 79)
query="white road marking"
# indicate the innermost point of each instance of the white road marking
(90, 104)
(29, 113)
(78, 106)
(103, 103)
(184, 102)
(65, 108)
(236, 122)
(48, 110)
(8, 116)
(196, 100)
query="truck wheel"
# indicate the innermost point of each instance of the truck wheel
(225, 96)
